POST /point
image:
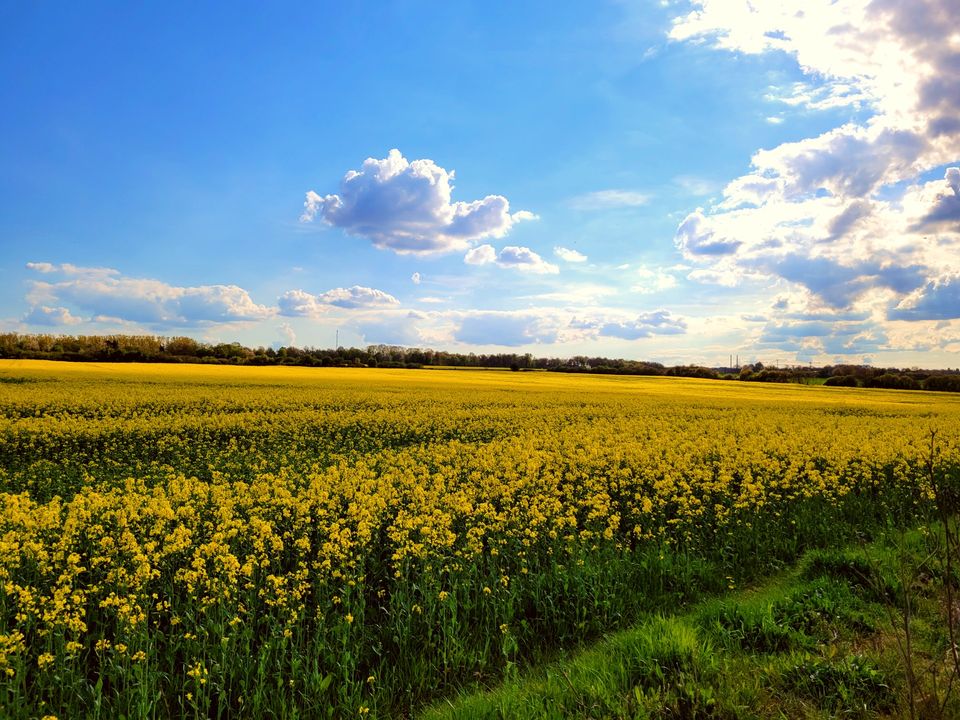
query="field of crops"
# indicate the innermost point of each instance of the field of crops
(251, 542)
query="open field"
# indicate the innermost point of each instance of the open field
(220, 541)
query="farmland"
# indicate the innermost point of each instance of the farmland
(240, 541)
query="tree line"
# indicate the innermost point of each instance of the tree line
(153, 348)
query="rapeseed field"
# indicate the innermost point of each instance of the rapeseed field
(251, 542)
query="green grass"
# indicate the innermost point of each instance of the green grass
(818, 641)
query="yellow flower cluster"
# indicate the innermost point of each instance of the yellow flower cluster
(138, 501)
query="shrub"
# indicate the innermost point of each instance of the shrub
(842, 381)
(942, 383)
(889, 381)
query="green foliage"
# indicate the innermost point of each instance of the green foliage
(841, 381)
(750, 627)
(942, 383)
(891, 381)
(821, 607)
(851, 686)
(871, 579)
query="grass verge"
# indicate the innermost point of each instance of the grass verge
(822, 640)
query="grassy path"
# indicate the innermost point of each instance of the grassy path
(822, 640)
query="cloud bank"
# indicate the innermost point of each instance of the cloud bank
(105, 293)
(851, 216)
(100, 295)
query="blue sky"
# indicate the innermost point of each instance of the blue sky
(675, 181)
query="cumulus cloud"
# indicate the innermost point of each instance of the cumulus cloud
(569, 255)
(513, 257)
(952, 176)
(106, 292)
(406, 206)
(393, 331)
(938, 299)
(509, 329)
(644, 325)
(536, 326)
(357, 297)
(299, 303)
(42, 267)
(609, 199)
(288, 335)
(480, 255)
(943, 209)
(525, 260)
(845, 214)
(826, 335)
(696, 236)
(50, 316)
(653, 280)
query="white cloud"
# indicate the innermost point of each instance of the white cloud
(569, 255)
(289, 337)
(106, 292)
(480, 255)
(299, 303)
(827, 96)
(513, 257)
(42, 267)
(556, 325)
(697, 185)
(510, 329)
(406, 206)
(728, 278)
(575, 294)
(393, 331)
(938, 299)
(609, 199)
(644, 325)
(845, 214)
(357, 297)
(525, 260)
(952, 176)
(653, 280)
(415, 278)
(50, 316)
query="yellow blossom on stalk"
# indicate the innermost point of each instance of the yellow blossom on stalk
(189, 499)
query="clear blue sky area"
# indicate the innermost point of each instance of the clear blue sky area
(671, 181)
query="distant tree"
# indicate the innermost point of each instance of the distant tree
(890, 381)
(942, 383)
(842, 381)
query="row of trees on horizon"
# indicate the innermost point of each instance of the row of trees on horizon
(153, 348)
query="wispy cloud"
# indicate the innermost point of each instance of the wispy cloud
(571, 256)
(609, 199)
